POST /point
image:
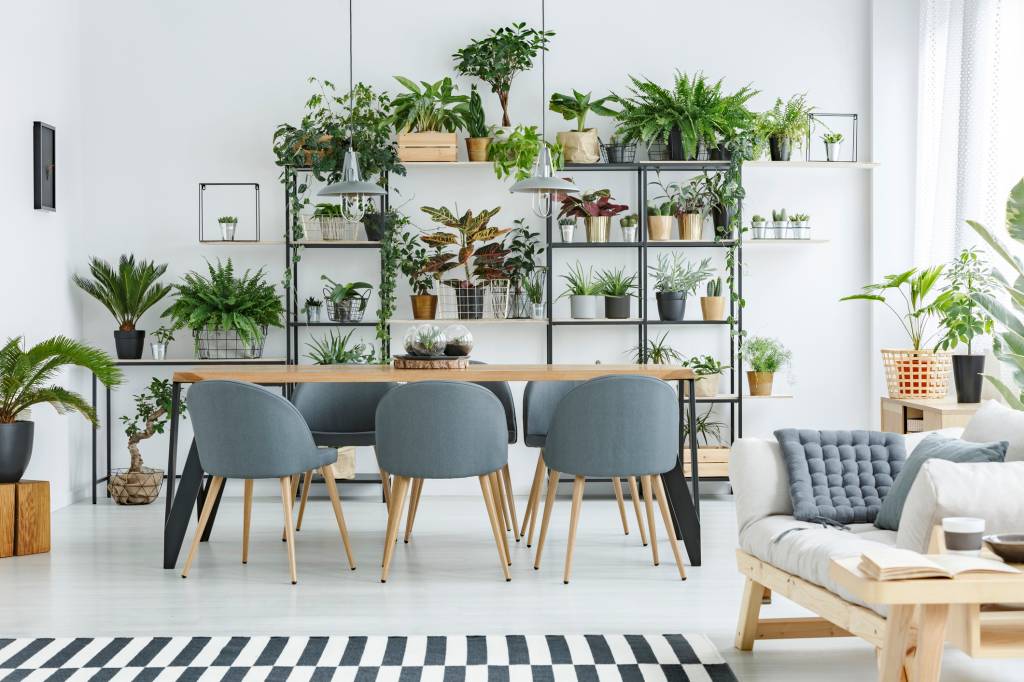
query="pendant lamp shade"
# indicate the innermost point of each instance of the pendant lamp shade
(351, 180)
(543, 179)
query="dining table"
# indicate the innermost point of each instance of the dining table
(189, 492)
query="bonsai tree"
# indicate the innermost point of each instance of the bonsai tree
(499, 57)
(914, 287)
(427, 107)
(515, 154)
(480, 263)
(128, 291)
(141, 485)
(577, 106)
(591, 204)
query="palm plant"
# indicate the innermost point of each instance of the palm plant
(914, 287)
(25, 376)
(127, 292)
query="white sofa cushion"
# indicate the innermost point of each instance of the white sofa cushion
(994, 492)
(993, 422)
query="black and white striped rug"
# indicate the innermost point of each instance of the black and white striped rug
(402, 659)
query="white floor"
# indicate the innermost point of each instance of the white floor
(104, 577)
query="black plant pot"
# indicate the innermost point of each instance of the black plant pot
(15, 450)
(781, 148)
(616, 307)
(967, 375)
(720, 153)
(377, 224)
(721, 216)
(671, 305)
(129, 345)
(470, 302)
(675, 145)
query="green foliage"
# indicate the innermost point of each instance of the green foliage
(705, 365)
(765, 354)
(515, 155)
(708, 429)
(757, 219)
(427, 107)
(25, 376)
(580, 283)
(500, 56)
(471, 115)
(789, 120)
(533, 286)
(339, 293)
(152, 410)
(227, 219)
(658, 352)
(596, 202)
(960, 316)
(673, 272)
(577, 106)
(631, 220)
(914, 287)
(616, 283)
(664, 209)
(312, 302)
(691, 196)
(715, 287)
(488, 260)
(127, 292)
(221, 301)
(334, 349)
(413, 260)
(163, 334)
(522, 247)
(390, 262)
(779, 215)
(799, 217)
(324, 210)
(832, 138)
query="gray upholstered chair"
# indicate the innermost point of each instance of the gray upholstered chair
(244, 431)
(442, 429)
(539, 402)
(340, 414)
(611, 427)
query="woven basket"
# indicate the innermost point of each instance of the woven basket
(917, 373)
(140, 487)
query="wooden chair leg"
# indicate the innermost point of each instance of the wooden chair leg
(414, 505)
(246, 519)
(287, 495)
(750, 613)
(204, 517)
(649, 505)
(673, 541)
(295, 491)
(398, 490)
(635, 494)
(529, 515)
(492, 517)
(506, 477)
(499, 506)
(385, 485)
(332, 492)
(574, 520)
(305, 496)
(548, 504)
(617, 485)
(542, 468)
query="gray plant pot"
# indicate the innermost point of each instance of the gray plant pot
(832, 150)
(583, 307)
(15, 450)
(616, 307)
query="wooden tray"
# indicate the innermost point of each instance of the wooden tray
(431, 362)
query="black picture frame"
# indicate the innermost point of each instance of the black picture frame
(44, 169)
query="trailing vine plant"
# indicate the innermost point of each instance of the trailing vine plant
(390, 262)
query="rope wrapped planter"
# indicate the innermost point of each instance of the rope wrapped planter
(917, 373)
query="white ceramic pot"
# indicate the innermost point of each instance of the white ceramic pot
(757, 231)
(583, 307)
(568, 233)
(832, 150)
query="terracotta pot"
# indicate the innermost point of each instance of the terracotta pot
(309, 155)
(712, 307)
(659, 228)
(424, 306)
(760, 383)
(691, 226)
(477, 148)
(580, 147)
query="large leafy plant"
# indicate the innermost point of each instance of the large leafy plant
(152, 410)
(127, 291)
(475, 248)
(577, 106)
(961, 317)
(515, 154)
(596, 203)
(427, 107)
(914, 287)
(499, 57)
(26, 376)
(222, 301)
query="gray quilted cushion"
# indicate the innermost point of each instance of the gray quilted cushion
(840, 476)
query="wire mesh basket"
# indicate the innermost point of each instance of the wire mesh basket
(336, 229)
(620, 152)
(917, 373)
(460, 300)
(657, 151)
(349, 310)
(226, 344)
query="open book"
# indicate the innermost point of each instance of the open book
(902, 564)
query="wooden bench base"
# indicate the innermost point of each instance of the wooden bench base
(24, 518)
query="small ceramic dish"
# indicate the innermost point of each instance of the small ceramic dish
(1009, 546)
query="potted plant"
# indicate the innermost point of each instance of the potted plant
(799, 227)
(916, 372)
(378, 224)
(328, 218)
(785, 125)
(127, 292)
(969, 278)
(712, 306)
(692, 200)
(765, 356)
(162, 336)
(657, 352)
(724, 195)
(580, 145)
(757, 227)
(140, 484)
(426, 118)
(334, 349)
(483, 265)
(346, 302)
(619, 151)
(534, 288)
(617, 290)
(497, 58)
(629, 225)
(228, 315)
(567, 229)
(780, 223)
(228, 223)
(413, 261)
(25, 381)
(708, 371)
(596, 208)
(583, 292)
(833, 143)
(478, 134)
(674, 278)
(522, 250)
(515, 154)
(659, 220)
(710, 431)
(312, 308)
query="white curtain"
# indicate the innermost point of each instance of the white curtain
(970, 122)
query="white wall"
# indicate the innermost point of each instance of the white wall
(177, 93)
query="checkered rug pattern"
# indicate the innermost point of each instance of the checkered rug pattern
(680, 658)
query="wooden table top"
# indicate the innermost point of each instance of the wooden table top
(298, 374)
(968, 588)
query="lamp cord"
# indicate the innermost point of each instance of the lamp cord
(351, 71)
(543, 75)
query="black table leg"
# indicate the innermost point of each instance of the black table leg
(680, 501)
(108, 430)
(693, 448)
(94, 441)
(181, 507)
(172, 451)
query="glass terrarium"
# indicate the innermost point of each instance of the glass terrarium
(425, 340)
(459, 340)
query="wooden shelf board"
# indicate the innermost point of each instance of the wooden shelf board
(472, 322)
(833, 165)
(242, 242)
(749, 242)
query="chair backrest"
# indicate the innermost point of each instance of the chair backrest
(615, 426)
(539, 402)
(340, 413)
(441, 429)
(245, 431)
(503, 392)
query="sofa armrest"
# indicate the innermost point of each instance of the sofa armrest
(991, 491)
(759, 480)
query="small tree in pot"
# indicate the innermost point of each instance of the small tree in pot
(765, 356)
(580, 145)
(139, 484)
(596, 208)
(674, 278)
(127, 292)
(617, 289)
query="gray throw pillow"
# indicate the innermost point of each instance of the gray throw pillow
(840, 477)
(934, 446)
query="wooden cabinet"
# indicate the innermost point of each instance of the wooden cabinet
(912, 416)
(24, 518)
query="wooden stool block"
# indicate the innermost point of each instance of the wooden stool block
(6, 520)
(31, 517)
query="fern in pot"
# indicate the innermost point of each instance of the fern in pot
(674, 278)
(765, 356)
(140, 484)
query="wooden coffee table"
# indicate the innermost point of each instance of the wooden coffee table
(926, 613)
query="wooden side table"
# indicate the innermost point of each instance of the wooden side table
(909, 415)
(24, 518)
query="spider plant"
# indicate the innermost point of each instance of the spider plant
(658, 352)
(707, 428)
(128, 291)
(580, 283)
